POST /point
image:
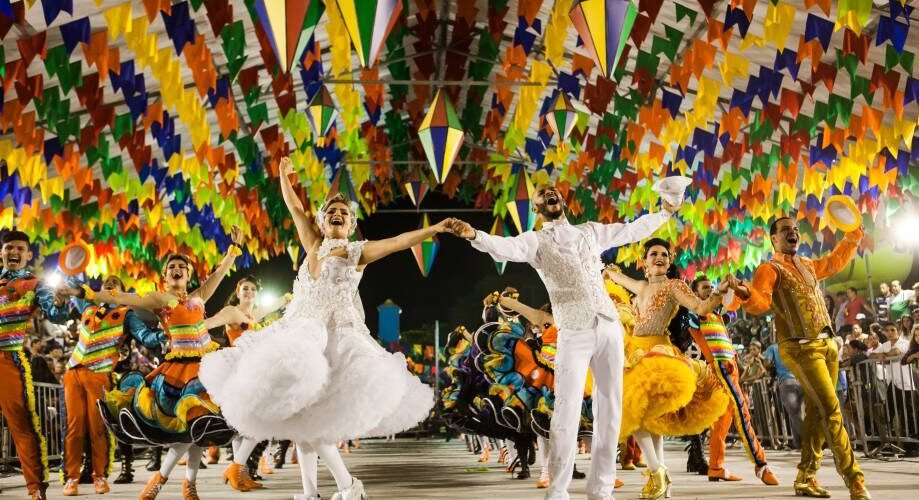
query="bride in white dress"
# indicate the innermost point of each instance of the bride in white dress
(316, 376)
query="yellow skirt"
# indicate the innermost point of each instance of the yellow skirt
(666, 393)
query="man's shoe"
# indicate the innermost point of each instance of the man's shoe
(618, 483)
(765, 475)
(576, 474)
(71, 488)
(38, 494)
(716, 475)
(858, 491)
(100, 484)
(809, 488)
(628, 466)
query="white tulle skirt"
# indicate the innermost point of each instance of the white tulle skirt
(296, 380)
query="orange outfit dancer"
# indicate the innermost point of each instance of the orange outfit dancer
(710, 334)
(103, 330)
(789, 287)
(21, 296)
(170, 406)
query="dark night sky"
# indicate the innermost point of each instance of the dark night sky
(452, 293)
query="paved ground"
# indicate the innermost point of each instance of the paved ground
(437, 470)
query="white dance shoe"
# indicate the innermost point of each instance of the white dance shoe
(353, 492)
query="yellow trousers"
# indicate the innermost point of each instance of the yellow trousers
(816, 366)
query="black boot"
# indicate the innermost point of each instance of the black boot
(252, 461)
(280, 457)
(696, 461)
(127, 461)
(576, 474)
(156, 456)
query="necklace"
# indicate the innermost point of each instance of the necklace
(657, 279)
(330, 244)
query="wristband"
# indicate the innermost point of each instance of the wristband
(235, 251)
(88, 293)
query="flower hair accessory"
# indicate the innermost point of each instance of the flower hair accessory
(338, 198)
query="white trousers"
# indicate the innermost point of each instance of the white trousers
(600, 348)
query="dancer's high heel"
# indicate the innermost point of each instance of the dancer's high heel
(233, 475)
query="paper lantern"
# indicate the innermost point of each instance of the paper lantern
(321, 112)
(520, 207)
(441, 136)
(426, 251)
(416, 189)
(562, 116)
(499, 228)
(289, 25)
(604, 27)
(368, 23)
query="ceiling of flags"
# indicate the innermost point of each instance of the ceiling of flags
(154, 126)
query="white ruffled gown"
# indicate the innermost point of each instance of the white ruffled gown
(316, 374)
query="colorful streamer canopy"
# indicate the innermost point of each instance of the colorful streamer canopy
(426, 251)
(289, 25)
(369, 22)
(499, 228)
(520, 207)
(604, 27)
(562, 116)
(152, 127)
(441, 136)
(321, 112)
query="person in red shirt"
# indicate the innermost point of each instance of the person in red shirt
(856, 305)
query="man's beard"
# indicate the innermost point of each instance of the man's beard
(543, 210)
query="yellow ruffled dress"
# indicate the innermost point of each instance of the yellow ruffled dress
(665, 392)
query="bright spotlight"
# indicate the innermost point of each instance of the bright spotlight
(267, 298)
(908, 229)
(54, 280)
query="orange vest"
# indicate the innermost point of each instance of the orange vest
(798, 305)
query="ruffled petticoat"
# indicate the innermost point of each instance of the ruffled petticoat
(667, 393)
(296, 380)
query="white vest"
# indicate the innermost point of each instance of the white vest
(574, 282)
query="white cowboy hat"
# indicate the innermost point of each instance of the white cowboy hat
(672, 188)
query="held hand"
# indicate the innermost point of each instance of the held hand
(64, 293)
(491, 299)
(286, 166)
(463, 229)
(444, 226)
(723, 286)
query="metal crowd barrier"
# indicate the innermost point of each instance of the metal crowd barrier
(49, 405)
(880, 409)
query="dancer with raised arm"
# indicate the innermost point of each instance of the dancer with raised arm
(170, 406)
(567, 258)
(242, 316)
(666, 393)
(788, 285)
(316, 376)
